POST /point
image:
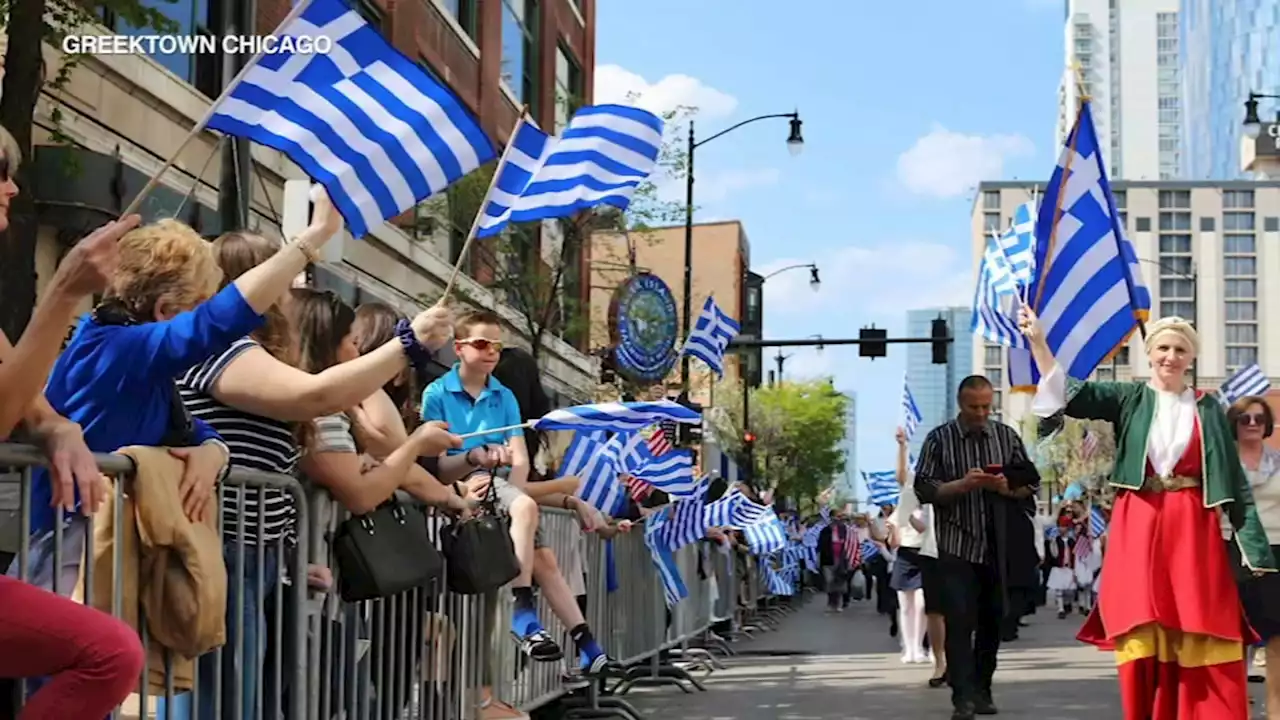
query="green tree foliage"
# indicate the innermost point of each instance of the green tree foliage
(1061, 456)
(31, 25)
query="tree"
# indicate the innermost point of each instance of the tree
(1063, 456)
(30, 25)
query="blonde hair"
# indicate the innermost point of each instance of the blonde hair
(11, 151)
(1176, 325)
(165, 262)
(555, 445)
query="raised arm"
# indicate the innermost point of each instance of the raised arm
(903, 472)
(1056, 392)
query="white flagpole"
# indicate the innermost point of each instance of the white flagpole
(475, 224)
(213, 108)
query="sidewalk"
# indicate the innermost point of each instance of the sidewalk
(846, 666)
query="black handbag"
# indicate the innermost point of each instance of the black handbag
(479, 553)
(384, 552)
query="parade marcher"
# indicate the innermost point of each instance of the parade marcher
(1169, 608)
(908, 579)
(833, 558)
(1061, 559)
(954, 474)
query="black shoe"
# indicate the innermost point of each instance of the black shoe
(937, 682)
(893, 628)
(1257, 678)
(539, 646)
(984, 706)
(963, 711)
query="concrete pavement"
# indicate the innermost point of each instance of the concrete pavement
(818, 666)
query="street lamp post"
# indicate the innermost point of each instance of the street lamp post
(795, 142)
(1193, 278)
(1252, 124)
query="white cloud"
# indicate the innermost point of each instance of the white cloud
(615, 84)
(948, 164)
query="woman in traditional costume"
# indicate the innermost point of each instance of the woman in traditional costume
(1169, 607)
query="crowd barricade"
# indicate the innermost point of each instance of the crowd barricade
(305, 654)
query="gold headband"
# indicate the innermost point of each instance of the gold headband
(1175, 325)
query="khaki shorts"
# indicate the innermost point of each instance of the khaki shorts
(507, 494)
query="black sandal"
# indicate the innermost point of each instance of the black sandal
(937, 682)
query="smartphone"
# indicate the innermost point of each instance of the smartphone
(994, 469)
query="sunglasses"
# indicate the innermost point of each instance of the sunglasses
(1252, 419)
(482, 344)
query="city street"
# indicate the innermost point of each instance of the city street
(846, 666)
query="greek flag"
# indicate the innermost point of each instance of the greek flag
(994, 300)
(673, 587)
(685, 522)
(617, 416)
(595, 462)
(766, 535)
(868, 550)
(1097, 522)
(1244, 382)
(1087, 288)
(711, 335)
(671, 472)
(734, 510)
(882, 487)
(605, 152)
(776, 583)
(364, 121)
(1018, 244)
(911, 416)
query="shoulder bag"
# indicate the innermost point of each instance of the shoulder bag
(478, 551)
(384, 552)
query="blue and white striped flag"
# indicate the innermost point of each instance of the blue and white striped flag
(995, 300)
(1087, 289)
(869, 550)
(911, 416)
(617, 416)
(595, 463)
(882, 487)
(664, 560)
(767, 535)
(711, 335)
(604, 153)
(774, 580)
(686, 520)
(671, 472)
(366, 122)
(1019, 244)
(734, 510)
(1097, 522)
(1246, 381)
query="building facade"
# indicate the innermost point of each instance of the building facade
(721, 258)
(1229, 49)
(1203, 248)
(1126, 52)
(848, 485)
(126, 114)
(934, 386)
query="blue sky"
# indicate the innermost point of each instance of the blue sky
(906, 106)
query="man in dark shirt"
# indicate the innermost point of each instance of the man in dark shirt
(971, 506)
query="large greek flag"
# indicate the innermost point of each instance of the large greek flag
(1087, 289)
(605, 152)
(364, 121)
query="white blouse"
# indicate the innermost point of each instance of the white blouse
(909, 507)
(1265, 482)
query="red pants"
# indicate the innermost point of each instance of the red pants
(1152, 690)
(93, 661)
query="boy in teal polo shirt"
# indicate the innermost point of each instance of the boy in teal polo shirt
(471, 400)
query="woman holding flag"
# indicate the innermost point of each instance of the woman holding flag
(1169, 606)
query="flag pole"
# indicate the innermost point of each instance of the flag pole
(208, 115)
(1062, 191)
(492, 431)
(475, 224)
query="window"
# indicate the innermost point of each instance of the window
(1237, 221)
(1241, 289)
(1176, 287)
(1177, 308)
(464, 11)
(1176, 199)
(1122, 357)
(1237, 244)
(991, 200)
(1105, 373)
(1206, 224)
(1175, 266)
(1175, 221)
(568, 87)
(1142, 224)
(1121, 198)
(203, 71)
(519, 45)
(1178, 244)
(993, 356)
(995, 375)
(1235, 266)
(1271, 224)
(990, 222)
(1237, 198)
(1238, 310)
(1242, 334)
(1238, 357)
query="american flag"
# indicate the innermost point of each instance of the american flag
(1089, 446)
(660, 441)
(1084, 544)
(852, 548)
(638, 489)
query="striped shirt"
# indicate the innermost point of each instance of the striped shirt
(255, 442)
(964, 524)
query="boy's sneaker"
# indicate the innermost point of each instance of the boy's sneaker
(599, 665)
(539, 646)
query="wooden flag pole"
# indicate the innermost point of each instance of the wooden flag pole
(475, 224)
(208, 115)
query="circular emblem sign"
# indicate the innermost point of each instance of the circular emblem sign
(643, 325)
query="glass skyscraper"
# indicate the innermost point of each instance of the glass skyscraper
(849, 485)
(934, 386)
(1229, 48)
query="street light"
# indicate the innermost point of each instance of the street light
(1252, 124)
(795, 143)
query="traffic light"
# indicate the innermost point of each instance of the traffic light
(939, 334)
(871, 343)
(748, 441)
(689, 435)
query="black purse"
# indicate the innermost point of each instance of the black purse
(384, 552)
(478, 551)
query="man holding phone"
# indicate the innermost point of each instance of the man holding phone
(975, 472)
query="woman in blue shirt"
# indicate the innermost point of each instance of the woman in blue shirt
(159, 316)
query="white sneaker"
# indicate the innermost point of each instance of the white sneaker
(907, 659)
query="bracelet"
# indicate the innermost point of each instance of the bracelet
(307, 251)
(416, 353)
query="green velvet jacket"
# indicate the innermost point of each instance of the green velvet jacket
(1130, 408)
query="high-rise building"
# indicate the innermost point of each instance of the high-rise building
(1229, 48)
(1127, 55)
(847, 486)
(934, 386)
(1203, 248)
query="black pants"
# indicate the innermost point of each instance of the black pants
(974, 608)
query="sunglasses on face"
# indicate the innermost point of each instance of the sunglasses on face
(1252, 419)
(483, 344)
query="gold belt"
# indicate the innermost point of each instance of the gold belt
(1169, 483)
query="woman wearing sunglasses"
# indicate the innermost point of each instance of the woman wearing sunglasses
(1253, 421)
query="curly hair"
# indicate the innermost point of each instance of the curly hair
(164, 265)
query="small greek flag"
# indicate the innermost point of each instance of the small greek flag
(671, 472)
(711, 335)
(1097, 522)
(1019, 244)
(605, 152)
(363, 120)
(595, 463)
(617, 416)
(774, 580)
(882, 487)
(1246, 381)
(766, 535)
(734, 510)
(868, 550)
(686, 521)
(664, 560)
(995, 300)
(911, 416)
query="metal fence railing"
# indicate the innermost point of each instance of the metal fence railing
(250, 628)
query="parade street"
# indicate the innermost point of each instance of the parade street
(819, 667)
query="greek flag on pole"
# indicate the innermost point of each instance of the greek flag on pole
(686, 521)
(364, 121)
(1019, 244)
(711, 335)
(617, 416)
(734, 510)
(671, 472)
(664, 560)
(1244, 382)
(911, 416)
(1087, 289)
(595, 462)
(767, 535)
(882, 487)
(776, 582)
(994, 300)
(604, 153)
(1097, 522)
